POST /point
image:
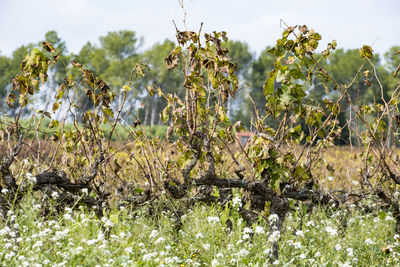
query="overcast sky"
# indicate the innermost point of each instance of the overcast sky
(351, 22)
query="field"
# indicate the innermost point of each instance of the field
(330, 236)
(359, 234)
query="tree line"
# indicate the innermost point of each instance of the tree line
(117, 53)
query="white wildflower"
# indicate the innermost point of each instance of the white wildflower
(259, 230)
(331, 231)
(274, 237)
(350, 252)
(100, 236)
(107, 222)
(8, 256)
(78, 250)
(213, 219)
(299, 233)
(247, 230)
(129, 250)
(5, 231)
(55, 195)
(199, 235)
(338, 247)
(21, 258)
(389, 218)
(122, 234)
(31, 178)
(310, 223)
(60, 234)
(91, 242)
(67, 217)
(369, 241)
(149, 256)
(50, 223)
(243, 252)
(159, 240)
(114, 237)
(68, 210)
(153, 234)
(246, 236)
(206, 246)
(38, 244)
(273, 217)
(236, 202)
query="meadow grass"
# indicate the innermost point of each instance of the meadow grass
(323, 236)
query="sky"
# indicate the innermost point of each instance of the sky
(352, 23)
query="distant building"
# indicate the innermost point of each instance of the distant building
(242, 137)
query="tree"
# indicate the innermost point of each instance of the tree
(241, 55)
(5, 75)
(169, 80)
(121, 51)
(58, 71)
(9, 67)
(113, 60)
(259, 70)
(388, 70)
(343, 66)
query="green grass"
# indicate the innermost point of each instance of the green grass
(121, 133)
(123, 238)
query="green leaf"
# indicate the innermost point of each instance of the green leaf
(296, 74)
(366, 52)
(269, 85)
(60, 92)
(126, 88)
(382, 215)
(108, 111)
(56, 105)
(334, 44)
(298, 128)
(54, 123)
(165, 114)
(114, 218)
(11, 98)
(45, 113)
